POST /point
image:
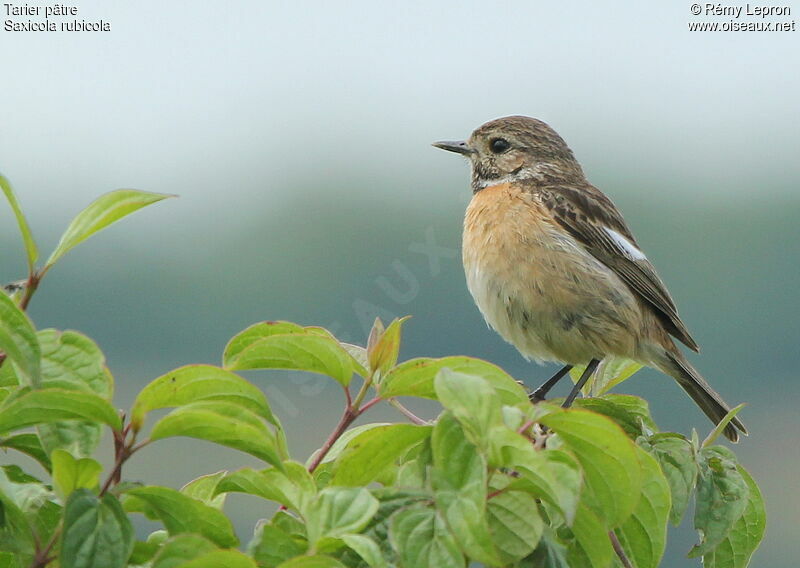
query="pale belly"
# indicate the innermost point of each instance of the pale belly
(539, 289)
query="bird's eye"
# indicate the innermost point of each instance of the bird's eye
(499, 145)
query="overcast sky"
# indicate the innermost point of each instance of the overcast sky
(193, 97)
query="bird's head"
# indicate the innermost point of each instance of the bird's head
(515, 148)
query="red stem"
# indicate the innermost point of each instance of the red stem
(30, 288)
(348, 416)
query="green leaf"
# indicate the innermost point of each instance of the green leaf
(223, 423)
(27, 237)
(722, 497)
(675, 455)
(221, 559)
(382, 352)
(366, 548)
(70, 474)
(337, 511)
(204, 489)
(317, 561)
(608, 457)
(250, 335)
(340, 444)
(743, 539)
(182, 514)
(415, 467)
(272, 545)
(97, 532)
(644, 535)
(553, 476)
(309, 352)
(368, 454)
(630, 412)
(473, 402)
(194, 551)
(52, 405)
(416, 378)
(717, 431)
(16, 535)
(514, 524)
(421, 538)
(194, 383)
(360, 358)
(71, 356)
(293, 487)
(79, 438)
(101, 213)
(72, 360)
(180, 549)
(551, 553)
(29, 444)
(143, 552)
(460, 480)
(18, 340)
(246, 338)
(15, 474)
(611, 372)
(591, 547)
(8, 380)
(27, 496)
(391, 501)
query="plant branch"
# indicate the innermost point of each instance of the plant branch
(124, 448)
(619, 550)
(352, 410)
(522, 429)
(361, 394)
(495, 493)
(30, 287)
(407, 413)
(369, 405)
(347, 418)
(42, 557)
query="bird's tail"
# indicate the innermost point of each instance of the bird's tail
(709, 401)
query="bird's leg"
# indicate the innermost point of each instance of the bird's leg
(539, 394)
(590, 369)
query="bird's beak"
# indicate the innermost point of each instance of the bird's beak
(459, 147)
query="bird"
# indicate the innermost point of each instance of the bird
(555, 270)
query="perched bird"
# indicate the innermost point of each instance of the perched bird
(555, 270)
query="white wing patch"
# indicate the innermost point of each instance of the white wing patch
(630, 250)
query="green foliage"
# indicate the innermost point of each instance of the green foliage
(493, 479)
(18, 341)
(97, 532)
(101, 213)
(31, 251)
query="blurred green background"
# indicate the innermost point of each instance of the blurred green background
(297, 136)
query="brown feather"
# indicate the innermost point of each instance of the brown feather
(584, 212)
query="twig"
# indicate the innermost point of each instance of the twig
(495, 493)
(347, 418)
(619, 550)
(42, 557)
(352, 410)
(407, 413)
(124, 448)
(368, 405)
(30, 288)
(524, 427)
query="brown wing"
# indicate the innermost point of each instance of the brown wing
(588, 215)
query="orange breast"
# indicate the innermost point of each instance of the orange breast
(538, 287)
